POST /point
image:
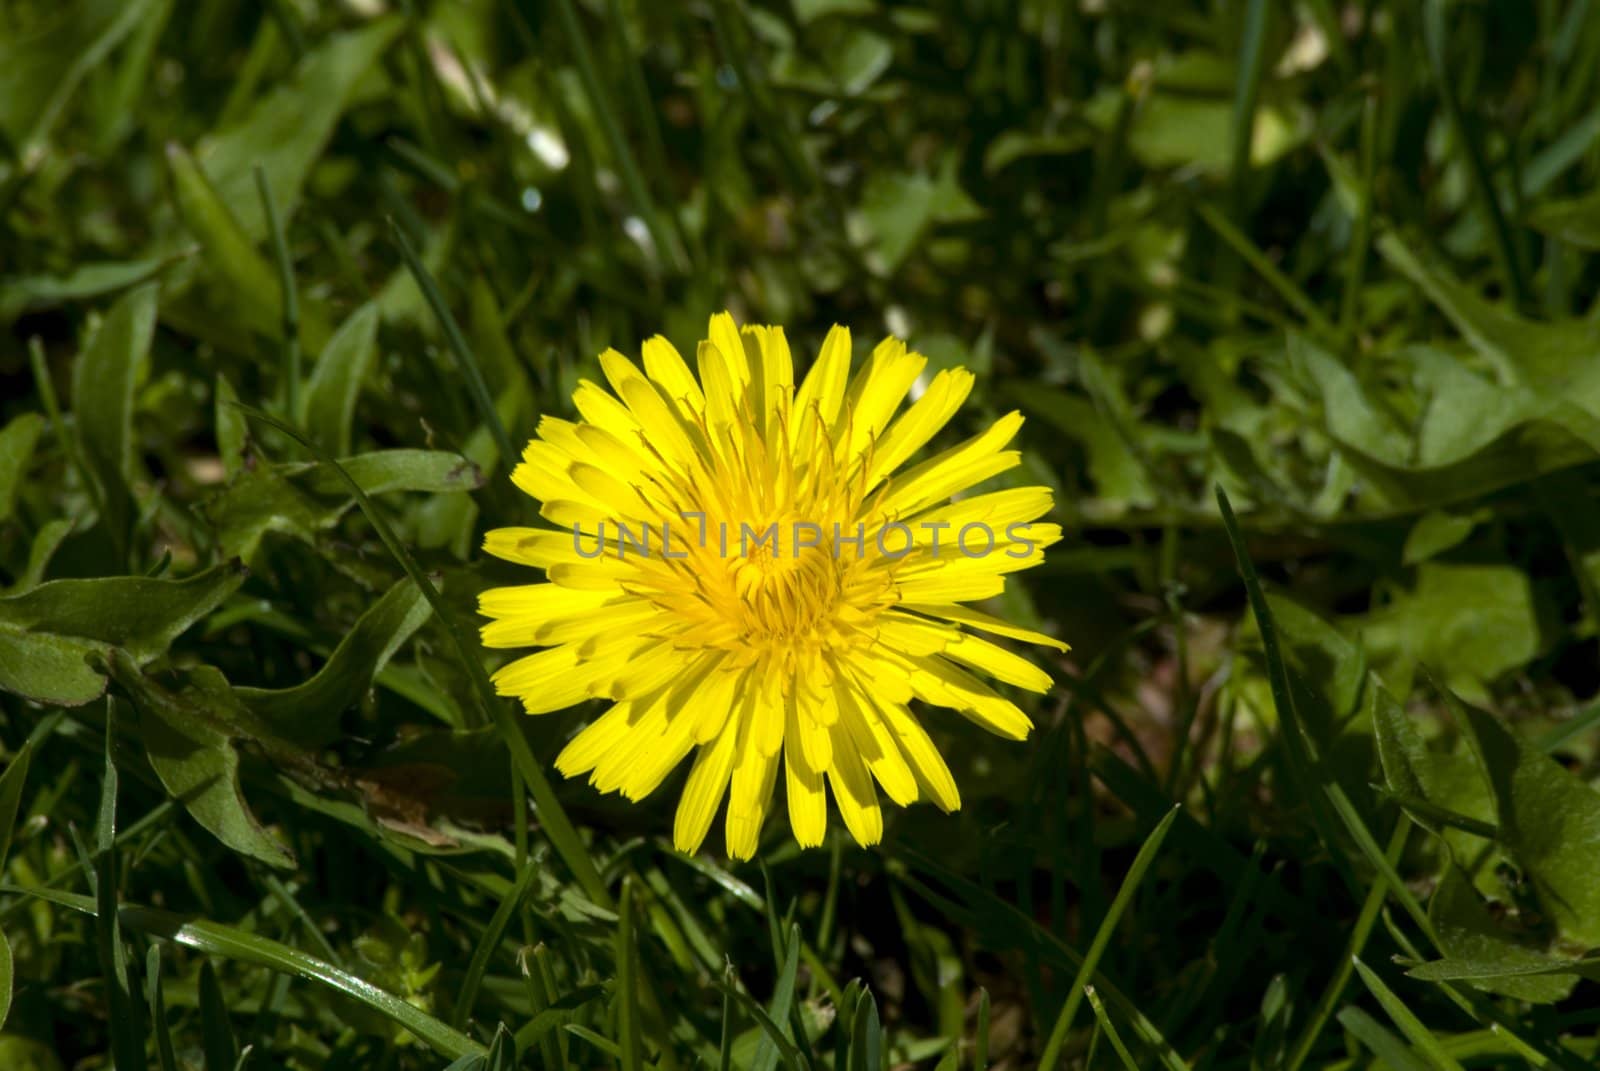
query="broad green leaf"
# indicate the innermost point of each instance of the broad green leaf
(46, 542)
(1575, 221)
(1434, 533)
(17, 440)
(1475, 436)
(1549, 823)
(244, 283)
(288, 129)
(1469, 623)
(48, 632)
(1014, 145)
(302, 499)
(18, 1053)
(308, 713)
(1468, 933)
(330, 396)
(189, 738)
(103, 383)
(49, 669)
(233, 431)
(42, 65)
(19, 294)
(1550, 357)
(5, 979)
(1172, 129)
(1450, 782)
(899, 208)
(1120, 480)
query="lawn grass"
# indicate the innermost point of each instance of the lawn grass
(1299, 302)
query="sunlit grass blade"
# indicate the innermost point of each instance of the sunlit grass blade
(229, 942)
(1109, 1029)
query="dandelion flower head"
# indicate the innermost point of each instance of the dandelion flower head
(747, 571)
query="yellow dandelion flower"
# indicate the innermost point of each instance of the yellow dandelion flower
(742, 568)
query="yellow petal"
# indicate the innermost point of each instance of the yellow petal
(808, 800)
(703, 792)
(999, 663)
(965, 615)
(920, 423)
(664, 364)
(956, 469)
(600, 737)
(877, 745)
(933, 776)
(878, 390)
(822, 392)
(852, 788)
(753, 775)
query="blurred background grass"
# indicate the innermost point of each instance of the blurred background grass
(1336, 258)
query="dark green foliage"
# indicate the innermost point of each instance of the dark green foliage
(1299, 301)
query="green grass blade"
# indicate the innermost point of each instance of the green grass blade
(1435, 23)
(217, 1042)
(1109, 1029)
(782, 998)
(156, 1002)
(127, 1035)
(1286, 287)
(289, 298)
(611, 129)
(1246, 91)
(557, 825)
(1097, 946)
(487, 944)
(1394, 1052)
(627, 980)
(11, 782)
(228, 942)
(980, 1040)
(1412, 1027)
(456, 342)
(1362, 930)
